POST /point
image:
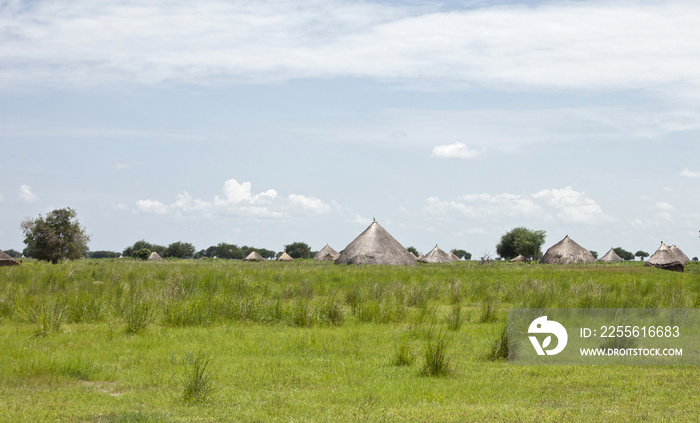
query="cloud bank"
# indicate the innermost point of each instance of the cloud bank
(569, 45)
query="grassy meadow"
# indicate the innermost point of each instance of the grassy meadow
(214, 340)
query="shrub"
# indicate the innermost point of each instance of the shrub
(437, 363)
(196, 381)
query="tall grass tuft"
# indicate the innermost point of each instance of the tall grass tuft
(488, 311)
(500, 348)
(454, 317)
(137, 314)
(47, 316)
(332, 312)
(436, 361)
(197, 384)
(403, 355)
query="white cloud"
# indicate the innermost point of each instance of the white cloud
(615, 45)
(238, 199)
(565, 204)
(311, 204)
(572, 206)
(455, 151)
(663, 206)
(152, 207)
(690, 174)
(362, 220)
(26, 194)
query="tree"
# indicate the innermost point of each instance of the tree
(624, 254)
(413, 250)
(462, 254)
(140, 245)
(523, 241)
(179, 250)
(102, 254)
(141, 253)
(57, 237)
(641, 254)
(298, 250)
(13, 253)
(594, 254)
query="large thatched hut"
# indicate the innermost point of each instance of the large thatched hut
(567, 251)
(610, 257)
(436, 255)
(681, 255)
(376, 246)
(6, 260)
(665, 258)
(284, 257)
(254, 256)
(327, 253)
(155, 256)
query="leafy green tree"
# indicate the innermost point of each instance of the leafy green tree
(179, 249)
(641, 254)
(13, 253)
(523, 241)
(462, 254)
(413, 250)
(297, 250)
(624, 254)
(141, 253)
(57, 237)
(101, 254)
(594, 254)
(139, 245)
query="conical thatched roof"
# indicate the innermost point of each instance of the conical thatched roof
(285, 257)
(6, 260)
(375, 246)
(454, 256)
(436, 255)
(155, 256)
(327, 254)
(414, 256)
(610, 257)
(519, 258)
(665, 258)
(567, 251)
(254, 256)
(681, 255)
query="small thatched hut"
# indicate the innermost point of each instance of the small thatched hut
(6, 260)
(254, 256)
(284, 257)
(155, 256)
(665, 259)
(327, 253)
(518, 259)
(436, 255)
(376, 246)
(681, 255)
(610, 257)
(567, 251)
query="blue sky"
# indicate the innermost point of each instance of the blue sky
(265, 123)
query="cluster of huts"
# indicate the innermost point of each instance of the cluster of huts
(376, 246)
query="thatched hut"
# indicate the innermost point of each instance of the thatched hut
(681, 255)
(436, 255)
(610, 257)
(518, 259)
(155, 256)
(376, 246)
(284, 257)
(567, 251)
(254, 256)
(454, 256)
(665, 259)
(327, 253)
(6, 260)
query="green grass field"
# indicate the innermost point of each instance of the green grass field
(128, 341)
